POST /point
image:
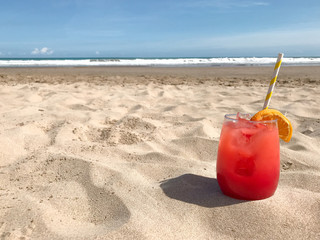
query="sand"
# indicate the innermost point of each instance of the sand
(130, 153)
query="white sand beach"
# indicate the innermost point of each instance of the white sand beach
(130, 153)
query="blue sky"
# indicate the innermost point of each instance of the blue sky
(159, 28)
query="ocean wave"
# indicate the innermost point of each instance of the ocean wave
(225, 61)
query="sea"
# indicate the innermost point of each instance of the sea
(157, 62)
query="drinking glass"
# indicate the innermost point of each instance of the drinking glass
(248, 161)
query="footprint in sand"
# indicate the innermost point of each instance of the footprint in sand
(126, 131)
(59, 198)
(309, 126)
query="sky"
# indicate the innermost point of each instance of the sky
(159, 28)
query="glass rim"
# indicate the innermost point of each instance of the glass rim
(232, 117)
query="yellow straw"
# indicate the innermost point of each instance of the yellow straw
(273, 81)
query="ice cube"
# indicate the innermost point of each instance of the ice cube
(244, 116)
(247, 134)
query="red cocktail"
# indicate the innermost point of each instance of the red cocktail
(248, 163)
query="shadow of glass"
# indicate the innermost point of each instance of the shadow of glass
(197, 190)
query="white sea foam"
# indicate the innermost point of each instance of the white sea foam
(225, 61)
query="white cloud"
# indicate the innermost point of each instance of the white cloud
(42, 51)
(97, 53)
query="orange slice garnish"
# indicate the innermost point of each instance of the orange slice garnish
(284, 125)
